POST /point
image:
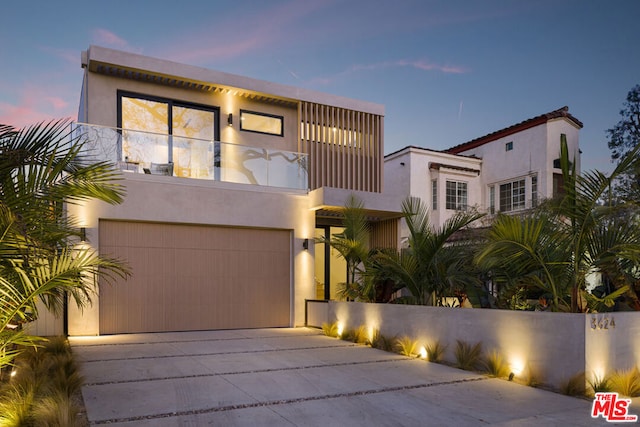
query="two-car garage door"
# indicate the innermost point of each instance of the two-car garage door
(191, 277)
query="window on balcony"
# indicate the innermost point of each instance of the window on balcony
(512, 196)
(456, 197)
(169, 132)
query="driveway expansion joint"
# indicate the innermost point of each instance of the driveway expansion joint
(268, 350)
(78, 345)
(286, 401)
(254, 371)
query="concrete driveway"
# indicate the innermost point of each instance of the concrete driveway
(297, 377)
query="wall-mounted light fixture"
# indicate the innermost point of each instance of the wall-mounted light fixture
(83, 234)
(305, 244)
(230, 119)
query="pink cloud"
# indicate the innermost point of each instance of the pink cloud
(417, 64)
(420, 65)
(56, 103)
(107, 38)
(33, 106)
(264, 30)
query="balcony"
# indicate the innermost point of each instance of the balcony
(152, 153)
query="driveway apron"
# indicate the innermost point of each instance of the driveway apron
(296, 377)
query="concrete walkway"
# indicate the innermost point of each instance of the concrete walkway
(296, 377)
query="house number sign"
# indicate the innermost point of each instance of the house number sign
(602, 322)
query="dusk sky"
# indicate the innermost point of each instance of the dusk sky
(446, 71)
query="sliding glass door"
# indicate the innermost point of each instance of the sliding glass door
(157, 130)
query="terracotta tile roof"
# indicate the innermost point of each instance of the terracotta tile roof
(535, 121)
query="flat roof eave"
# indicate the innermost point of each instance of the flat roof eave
(126, 61)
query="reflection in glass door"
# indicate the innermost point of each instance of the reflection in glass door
(329, 264)
(171, 132)
(151, 117)
(193, 142)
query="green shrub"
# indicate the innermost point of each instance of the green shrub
(574, 386)
(330, 329)
(600, 384)
(361, 335)
(435, 351)
(15, 406)
(496, 365)
(42, 392)
(468, 357)
(626, 383)
(407, 346)
(57, 409)
(57, 345)
(382, 342)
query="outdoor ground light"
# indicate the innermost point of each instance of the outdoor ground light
(423, 352)
(511, 375)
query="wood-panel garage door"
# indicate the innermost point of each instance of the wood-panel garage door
(190, 277)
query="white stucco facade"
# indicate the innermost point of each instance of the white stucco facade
(508, 171)
(414, 171)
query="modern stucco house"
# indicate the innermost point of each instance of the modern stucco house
(507, 171)
(228, 181)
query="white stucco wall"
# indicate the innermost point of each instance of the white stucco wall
(529, 155)
(533, 153)
(415, 176)
(612, 342)
(551, 346)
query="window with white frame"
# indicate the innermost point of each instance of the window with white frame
(512, 196)
(534, 191)
(434, 195)
(456, 197)
(492, 199)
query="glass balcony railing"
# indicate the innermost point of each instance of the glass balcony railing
(151, 153)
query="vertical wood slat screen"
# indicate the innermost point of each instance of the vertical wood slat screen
(384, 234)
(345, 147)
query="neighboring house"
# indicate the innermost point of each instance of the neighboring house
(228, 180)
(508, 171)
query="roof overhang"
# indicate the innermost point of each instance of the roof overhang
(144, 68)
(561, 113)
(331, 201)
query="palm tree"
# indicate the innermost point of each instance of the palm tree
(592, 228)
(555, 248)
(527, 252)
(432, 265)
(42, 168)
(352, 244)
